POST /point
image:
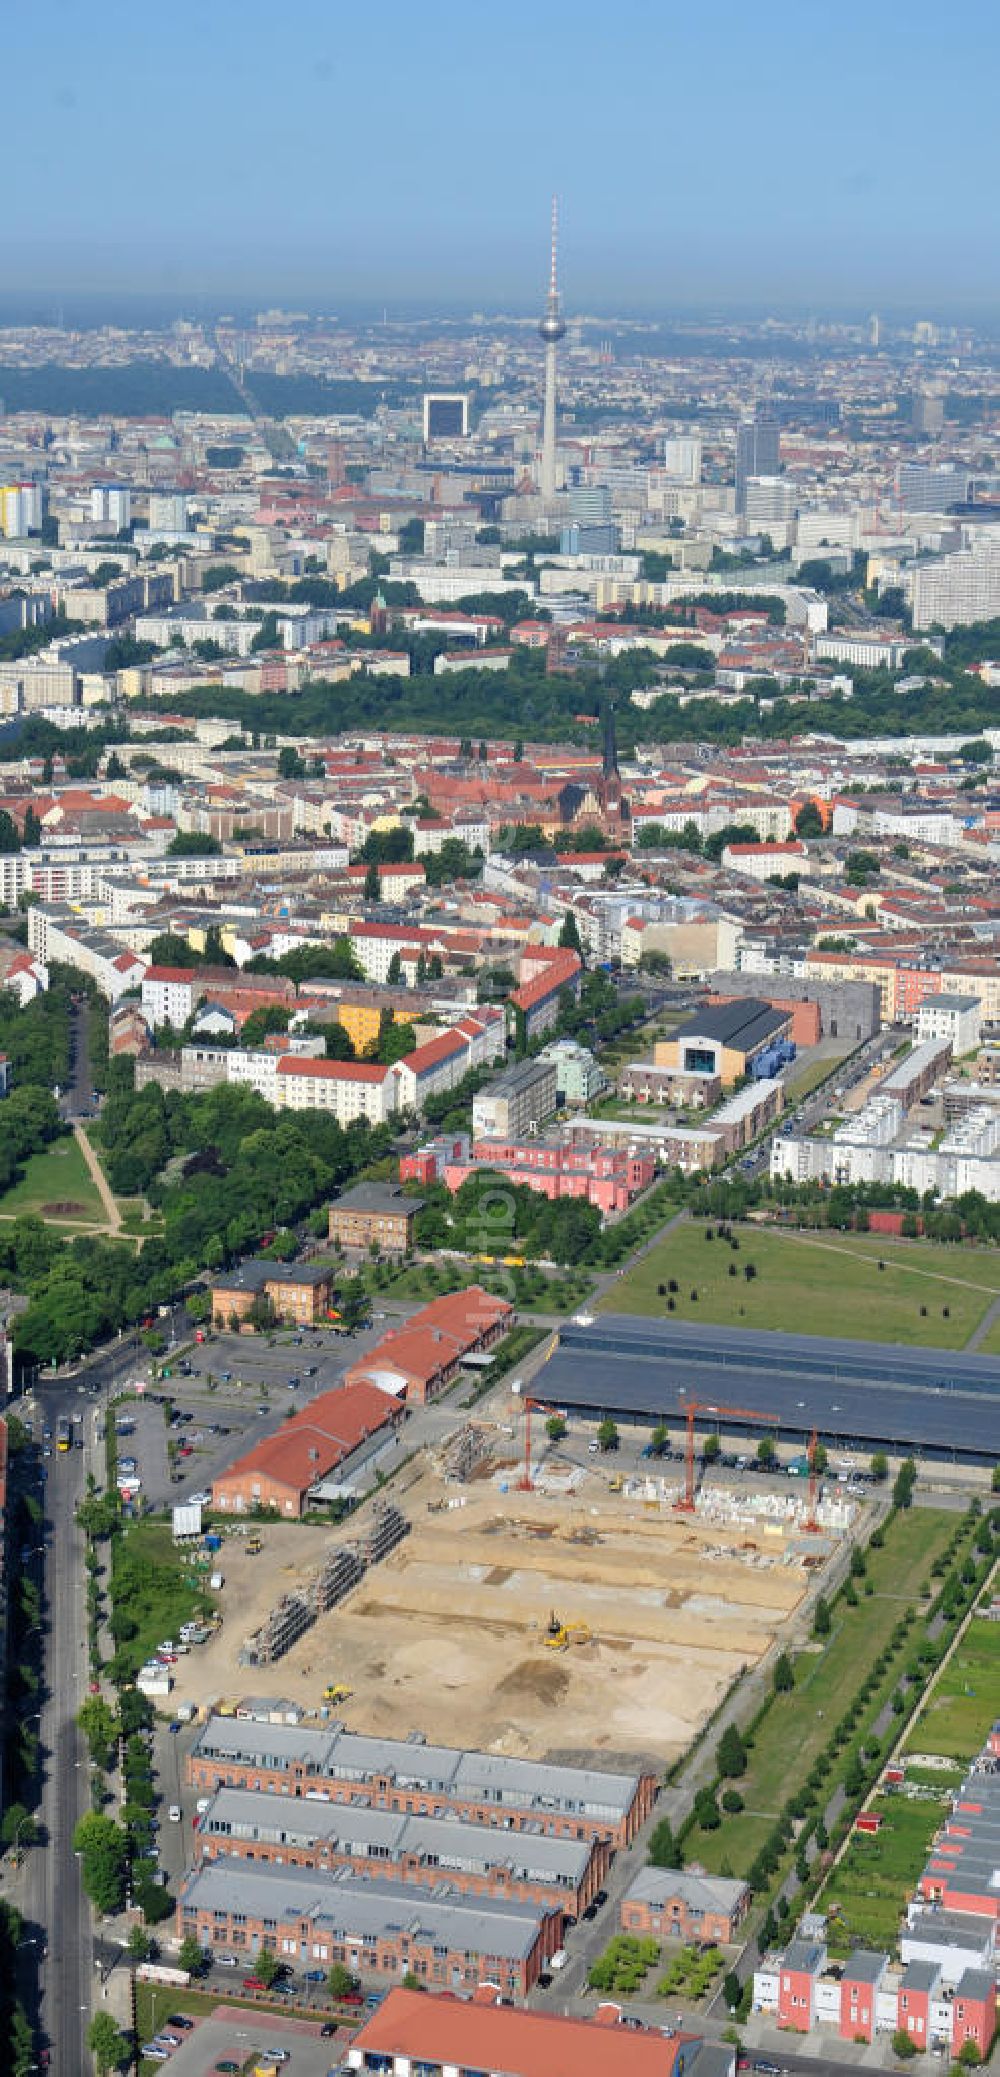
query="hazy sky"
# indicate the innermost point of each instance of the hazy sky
(709, 152)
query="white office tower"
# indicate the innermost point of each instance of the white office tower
(168, 511)
(682, 459)
(21, 509)
(954, 590)
(111, 505)
(552, 328)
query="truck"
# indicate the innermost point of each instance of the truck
(162, 1972)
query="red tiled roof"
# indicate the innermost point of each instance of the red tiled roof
(314, 1441)
(333, 1070)
(456, 2033)
(429, 1055)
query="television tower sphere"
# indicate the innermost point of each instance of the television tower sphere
(552, 326)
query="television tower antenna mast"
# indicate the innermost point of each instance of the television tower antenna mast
(552, 328)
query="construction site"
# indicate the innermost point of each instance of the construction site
(587, 1611)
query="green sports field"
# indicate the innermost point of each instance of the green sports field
(823, 1283)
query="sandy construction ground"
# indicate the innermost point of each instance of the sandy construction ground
(447, 1636)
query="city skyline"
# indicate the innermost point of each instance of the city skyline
(266, 170)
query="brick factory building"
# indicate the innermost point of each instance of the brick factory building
(422, 1357)
(557, 1874)
(426, 1780)
(281, 1471)
(684, 1904)
(377, 1928)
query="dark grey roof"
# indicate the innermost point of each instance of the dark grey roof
(376, 1197)
(863, 1966)
(350, 1905)
(975, 1983)
(875, 1393)
(744, 1024)
(803, 1955)
(357, 1830)
(253, 1275)
(919, 1976)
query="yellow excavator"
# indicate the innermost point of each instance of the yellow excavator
(560, 1636)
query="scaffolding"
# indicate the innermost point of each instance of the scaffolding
(286, 1622)
(338, 1574)
(464, 1452)
(343, 1568)
(386, 1528)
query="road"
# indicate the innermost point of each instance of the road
(53, 1899)
(77, 1100)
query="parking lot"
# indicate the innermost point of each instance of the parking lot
(232, 2035)
(237, 1383)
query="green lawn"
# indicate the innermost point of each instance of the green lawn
(873, 1881)
(798, 1726)
(819, 1283)
(966, 1697)
(163, 1592)
(809, 1076)
(58, 1175)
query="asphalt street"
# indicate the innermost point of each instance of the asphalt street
(53, 1900)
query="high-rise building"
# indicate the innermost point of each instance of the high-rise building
(768, 498)
(922, 487)
(927, 412)
(590, 503)
(758, 450)
(21, 509)
(552, 328)
(446, 417)
(581, 538)
(682, 458)
(111, 505)
(954, 590)
(168, 511)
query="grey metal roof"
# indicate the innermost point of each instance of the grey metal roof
(919, 1976)
(699, 1892)
(805, 1955)
(349, 1756)
(974, 1983)
(348, 1905)
(877, 1393)
(348, 1828)
(743, 1024)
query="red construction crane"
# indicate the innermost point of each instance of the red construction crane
(539, 1406)
(811, 1523)
(694, 1407)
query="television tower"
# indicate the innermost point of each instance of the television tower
(552, 327)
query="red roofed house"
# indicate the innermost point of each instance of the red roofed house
(423, 1356)
(416, 2031)
(545, 972)
(280, 1471)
